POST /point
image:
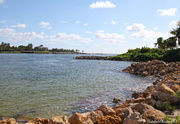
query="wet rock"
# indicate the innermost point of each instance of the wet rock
(58, 120)
(106, 110)
(78, 118)
(96, 115)
(153, 115)
(123, 112)
(110, 119)
(165, 89)
(136, 94)
(134, 118)
(116, 100)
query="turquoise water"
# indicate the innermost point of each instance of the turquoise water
(36, 85)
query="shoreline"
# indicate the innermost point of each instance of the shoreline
(143, 107)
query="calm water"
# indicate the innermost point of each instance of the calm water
(44, 86)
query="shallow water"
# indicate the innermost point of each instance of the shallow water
(36, 85)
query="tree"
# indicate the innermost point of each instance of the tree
(171, 42)
(162, 44)
(176, 32)
(29, 46)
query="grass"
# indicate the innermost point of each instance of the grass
(169, 120)
(166, 106)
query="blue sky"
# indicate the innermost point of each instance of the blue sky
(104, 26)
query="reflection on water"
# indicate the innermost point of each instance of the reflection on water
(50, 85)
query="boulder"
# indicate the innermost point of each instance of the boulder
(58, 120)
(123, 112)
(11, 121)
(175, 87)
(165, 89)
(106, 110)
(110, 119)
(78, 118)
(116, 100)
(38, 121)
(153, 115)
(134, 118)
(161, 96)
(141, 107)
(96, 115)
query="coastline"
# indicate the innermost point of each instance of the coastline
(142, 105)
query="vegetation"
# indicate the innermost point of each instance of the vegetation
(167, 50)
(169, 120)
(7, 48)
(166, 106)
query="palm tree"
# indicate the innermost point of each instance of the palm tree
(161, 43)
(176, 32)
(171, 42)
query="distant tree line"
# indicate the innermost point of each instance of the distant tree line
(29, 47)
(171, 42)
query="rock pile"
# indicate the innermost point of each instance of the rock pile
(92, 57)
(145, 107)
(155, 68)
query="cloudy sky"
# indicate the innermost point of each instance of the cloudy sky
(111, 26)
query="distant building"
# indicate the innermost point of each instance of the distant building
(41, 48)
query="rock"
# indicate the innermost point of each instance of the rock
(165, 89)
(145, 73)
(178, 92)
(78, 118)
(38, 121)
(11, 121)
(123, 112)
(175, 87)
(162, 73)
(106, 110)
(134, 118)
(142, 107)
(136, 94)
(153, 115)
(58, 120)
(96, 115)
(158, 95)
(150, 101)
(110, 119)
(116, 100)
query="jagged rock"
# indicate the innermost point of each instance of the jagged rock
(110, 119)
(175, 87)
(78, 118)
(165, 89)
(153, 115)
(141, 107)
(116, 100)
(38, 121)
(150, 101)
(106, 110)
(134, 118)
(9, 121)
(58, 120)
(96, 115)
(136, 94)
(123, 112)
(158, 95)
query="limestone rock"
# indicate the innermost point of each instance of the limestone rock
(96, 115)
(123, 112)
(165, 89)
(38, 121)
(78, 118)
(142, 107)
(58, 120)
(110, 119)
(106, 110)
(153, 115)
(134, 118)
(11, 121)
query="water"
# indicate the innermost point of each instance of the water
(48, 85)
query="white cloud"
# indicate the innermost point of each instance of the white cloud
(64, 37)
(3, 21)
(86, 40)
(173, 23)
(139, 31)
(100, 31)
(19, 26)
(45, 25)
(135, 27)
(155, 28)
(19, 36)
(77, 22)
(101, 4)
(1, 1)
(113, 22)
(85, 24)
(167, 12)
(88, 32)
(110, 37)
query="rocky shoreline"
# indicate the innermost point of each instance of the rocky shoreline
(151, 106)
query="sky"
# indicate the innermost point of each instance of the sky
(104, 26)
